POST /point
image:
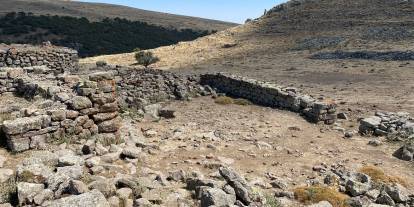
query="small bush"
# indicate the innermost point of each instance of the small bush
(145, 58)
(379, 176)
(316, 194)
(223, 100)
(101, 63)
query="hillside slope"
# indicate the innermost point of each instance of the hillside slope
(280, 45)
(98, 11)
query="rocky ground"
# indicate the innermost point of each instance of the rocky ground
(259, 156)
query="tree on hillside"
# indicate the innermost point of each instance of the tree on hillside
(145, 58)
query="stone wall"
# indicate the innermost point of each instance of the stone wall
(141, 87)
(56, 58)
(268, 94)
(72, 107)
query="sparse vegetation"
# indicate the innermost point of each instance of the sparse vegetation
(4, 117)
(379, 176)
(145, 58)
(225, 100)
(315, 194)
(271, 201)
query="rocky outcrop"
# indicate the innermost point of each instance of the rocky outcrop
(268, 94)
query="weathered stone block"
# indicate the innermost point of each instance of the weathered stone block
(80, 102)
(104, 116)
(22, 125)
(110, 125)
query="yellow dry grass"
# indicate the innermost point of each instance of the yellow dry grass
(379, 176)
(315, 194)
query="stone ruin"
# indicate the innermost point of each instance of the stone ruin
(271, 95)
(56, 58)
(395, 127)
(79, 106)
(73, 106)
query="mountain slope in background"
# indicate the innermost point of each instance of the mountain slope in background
(334, 48)
(97, 29)
(98, 12)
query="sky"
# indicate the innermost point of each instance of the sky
(226, 10)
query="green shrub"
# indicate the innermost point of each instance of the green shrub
(145, 58)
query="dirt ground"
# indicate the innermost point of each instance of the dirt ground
(259, 142)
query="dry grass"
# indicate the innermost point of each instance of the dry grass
(243, 102)
(4, 117)
(225, 100)
(379, 176)
(315, 194)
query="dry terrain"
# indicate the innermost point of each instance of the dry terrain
(278, 47)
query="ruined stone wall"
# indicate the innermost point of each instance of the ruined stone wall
(268, 94)
(141, 87)
(73, 108)
(56, 58)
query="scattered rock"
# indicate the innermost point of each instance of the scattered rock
(92, 198)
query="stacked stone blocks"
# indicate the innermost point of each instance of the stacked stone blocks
(91, 109)
(271, 95)
(56, 58)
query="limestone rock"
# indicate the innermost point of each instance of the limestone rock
(92, 198)
(80, 102)
(216, 197)
(358, 184)
(26, 192)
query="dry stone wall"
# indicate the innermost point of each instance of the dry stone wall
(73, 107)
(139, 88)
(56, 58)
(271, 95)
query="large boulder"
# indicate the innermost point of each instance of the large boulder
(368, 125)
(27, 191)
(240, 185)
(93, 198)
(397, 192)
(35, 173)
(406, 152)
(216, 197)
(358, 184)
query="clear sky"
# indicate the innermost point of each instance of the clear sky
(227, 10)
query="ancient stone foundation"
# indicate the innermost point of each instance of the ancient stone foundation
(139, 88)
(271, 95)
(56, 58)
(70, 107)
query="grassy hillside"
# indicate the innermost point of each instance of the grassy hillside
(90, 38)
(98, 12)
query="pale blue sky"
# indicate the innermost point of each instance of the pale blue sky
(227, 10)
